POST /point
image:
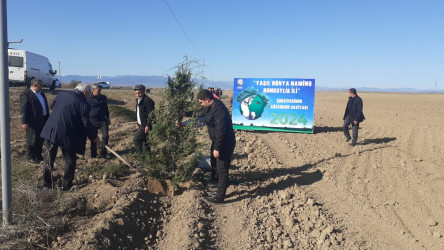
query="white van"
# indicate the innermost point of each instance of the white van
(25, 65)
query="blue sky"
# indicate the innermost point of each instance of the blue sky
(378, 43)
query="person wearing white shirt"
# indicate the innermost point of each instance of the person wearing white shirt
(34, 114)
(144, 106)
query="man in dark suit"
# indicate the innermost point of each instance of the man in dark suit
(34, 113)
(99, 116)
(144, 106)
(353, 115)
(67, 127)
(223, 141)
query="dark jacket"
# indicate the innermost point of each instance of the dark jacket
(220, 127)
(31, 110)
(146, 106)
(99, 108)
(354, 109)
(69, 124)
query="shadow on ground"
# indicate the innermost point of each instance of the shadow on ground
(292, 176)
(319, 130)
(378, 140)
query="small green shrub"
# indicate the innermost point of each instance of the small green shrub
(174, 149)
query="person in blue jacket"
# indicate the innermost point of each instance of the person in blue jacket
(353, 115)
(68, 127)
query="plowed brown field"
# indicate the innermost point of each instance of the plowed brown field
(303, 191)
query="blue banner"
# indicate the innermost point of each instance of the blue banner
(276, 104)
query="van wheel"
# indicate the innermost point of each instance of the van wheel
(52, 87)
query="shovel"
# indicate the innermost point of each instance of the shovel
(118, 156)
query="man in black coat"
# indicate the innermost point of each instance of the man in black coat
(34, 113)
(67, 127)
(99, 116)
(353, 115)
(223, 141)
(144, 106)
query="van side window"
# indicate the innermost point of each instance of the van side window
(15, 61)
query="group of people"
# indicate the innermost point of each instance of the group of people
(76, 115)
(80, 114)
(216, 93)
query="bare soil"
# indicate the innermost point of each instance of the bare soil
(289, 190)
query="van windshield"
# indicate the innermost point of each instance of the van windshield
(15, 61)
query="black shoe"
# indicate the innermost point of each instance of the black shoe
(215, 200)
(39, 158)
(33, 160)
(107, 156)
(352, 144)
(348, 139)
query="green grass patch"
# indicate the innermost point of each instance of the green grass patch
(20, 172)
(119, 111)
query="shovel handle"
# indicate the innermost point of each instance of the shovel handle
(118, 156)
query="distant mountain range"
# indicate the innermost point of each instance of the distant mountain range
(160, 82)
(366, 89)
(149, 81)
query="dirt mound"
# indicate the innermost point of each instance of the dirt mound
(117, 213)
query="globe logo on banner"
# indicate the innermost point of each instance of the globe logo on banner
(252, 107)
(273, 104)
(252, 103)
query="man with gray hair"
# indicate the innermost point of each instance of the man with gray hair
(67, 127)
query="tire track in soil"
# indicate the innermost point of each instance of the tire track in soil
(354, 175)
(419, 193)
(368, 185)
(377, 209)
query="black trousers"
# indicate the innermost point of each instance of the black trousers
(140, 140)
(34, 143)
(104, 130)
(220, 168)
(70, 164)
(355, 129)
